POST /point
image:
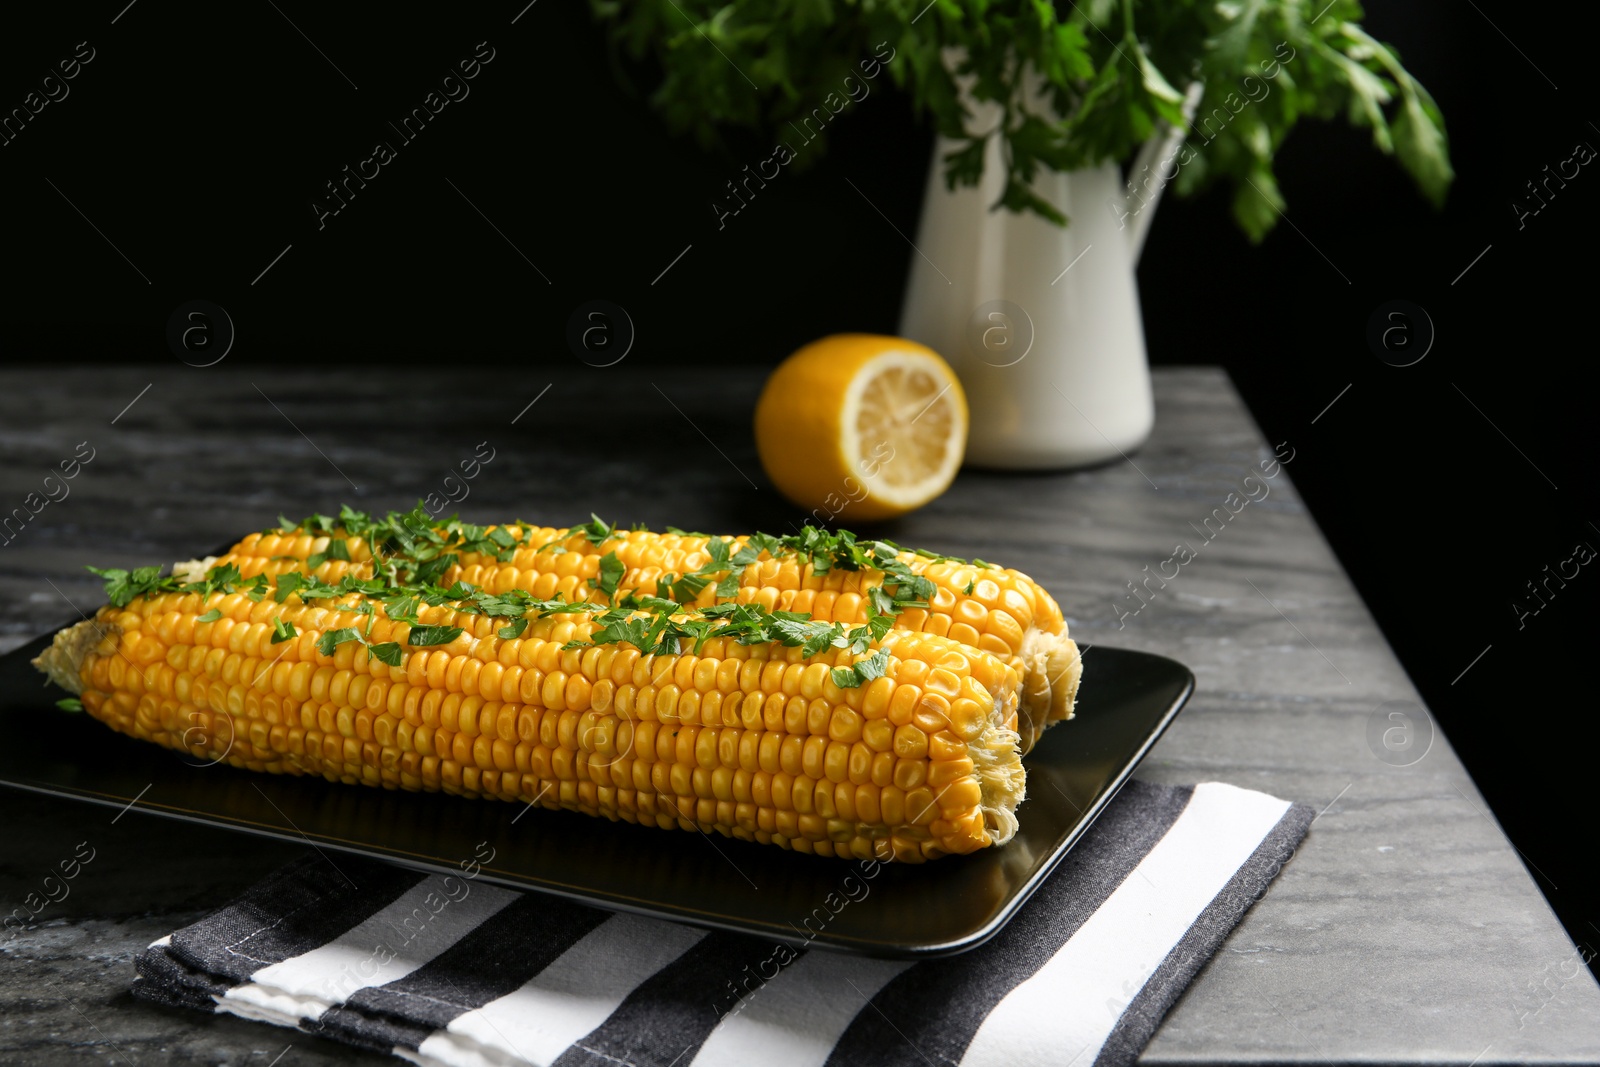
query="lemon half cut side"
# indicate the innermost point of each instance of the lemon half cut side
(862, 426)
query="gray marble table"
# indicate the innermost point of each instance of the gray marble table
(1405, 930)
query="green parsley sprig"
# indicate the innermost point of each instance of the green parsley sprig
(1076, 84)
(724, 568)
(123, 587)
(652, 625)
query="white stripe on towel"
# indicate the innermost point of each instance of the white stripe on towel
(796, 1018)
(569, 998)
(1065, 1012)
(375, 952)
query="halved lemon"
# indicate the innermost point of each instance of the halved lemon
(861, 426)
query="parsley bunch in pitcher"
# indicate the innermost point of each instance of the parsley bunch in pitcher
(1076, 84)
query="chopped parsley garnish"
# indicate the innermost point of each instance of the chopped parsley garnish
(70, 704)
(724, 567)
(123, 587)
(652, 625)
(412, 552)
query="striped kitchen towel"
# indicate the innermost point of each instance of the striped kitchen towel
(457, 973)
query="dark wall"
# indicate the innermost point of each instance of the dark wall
(196, 141)
(197, 144)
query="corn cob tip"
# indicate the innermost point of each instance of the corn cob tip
(62, 662)
(997, 764)
(1052, 667)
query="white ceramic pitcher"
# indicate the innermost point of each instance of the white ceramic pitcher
(1041, 322)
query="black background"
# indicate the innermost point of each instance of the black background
(197, 139)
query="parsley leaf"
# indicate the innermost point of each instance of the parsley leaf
(513, 630)
(687, 589)
(386, 652)
(122, 587)
(314, 588)
(283, 630)
(312, 524)
(611, 571)
(223, 577)
(288, 583)
(70, 704)
(596, 530)
(635, 631)
(508, 605)
(873, 667)
(812, 636)
(863, 672)
(211, 616)
(334, 638)
(423, 636)
(878, 626)
(431, 570)
(365, 586)
(762, 542)
(717, 549)
(562, 607)
(337, 548)
(354, 522)
(401, 609)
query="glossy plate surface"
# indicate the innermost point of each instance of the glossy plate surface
(945, 907)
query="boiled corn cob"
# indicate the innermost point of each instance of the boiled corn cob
(998, 610)
(752, 741)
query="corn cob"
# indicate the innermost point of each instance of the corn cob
(998, 610)
(752, 741)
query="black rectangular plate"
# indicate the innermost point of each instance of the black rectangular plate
(934, 909)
